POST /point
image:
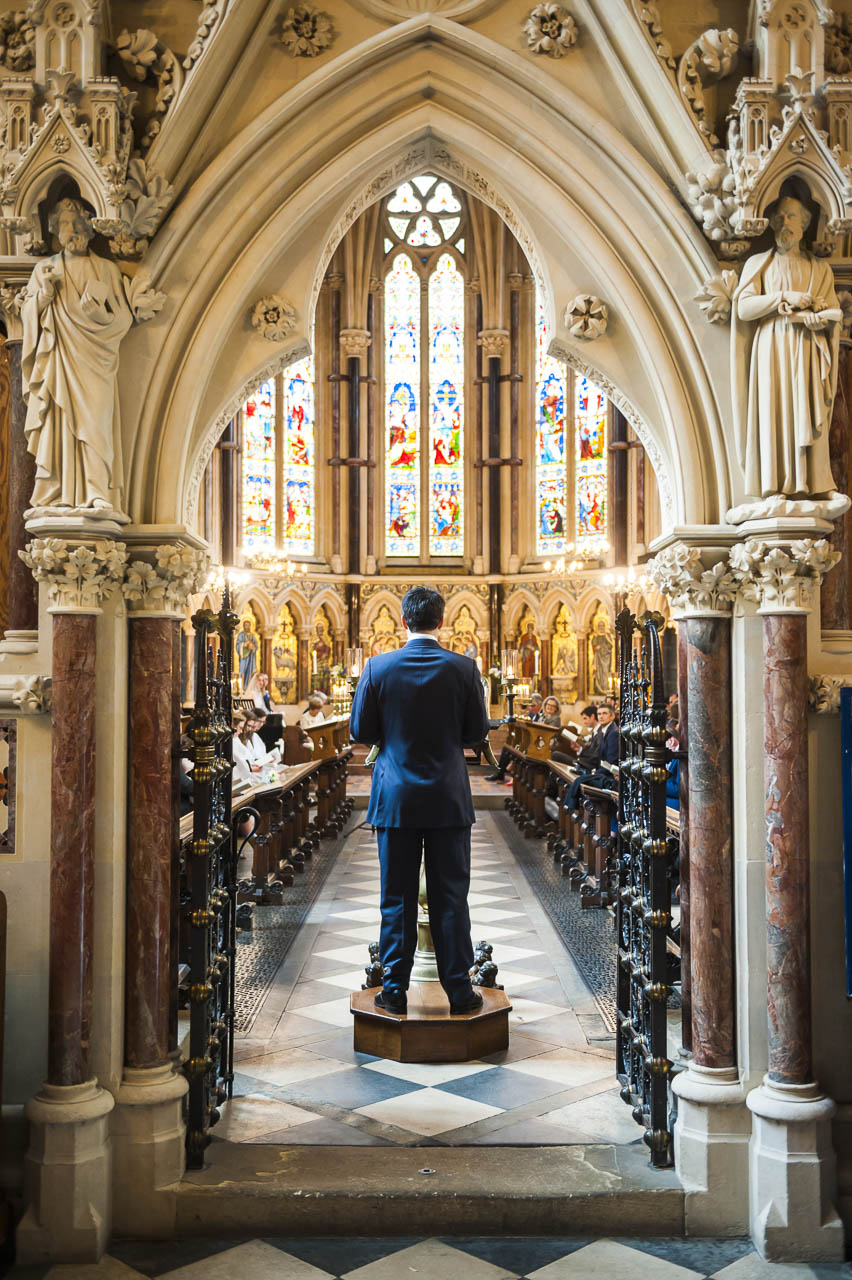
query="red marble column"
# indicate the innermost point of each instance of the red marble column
(72, 834)
(152, 806)
(787, 847)
(707, 656)
(23, 595)
(683, 798)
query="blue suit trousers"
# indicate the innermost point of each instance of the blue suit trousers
(447, 855)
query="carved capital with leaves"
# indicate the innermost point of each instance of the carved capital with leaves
(78, 576)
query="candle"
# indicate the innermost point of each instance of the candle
(315, 661)
(536, 661)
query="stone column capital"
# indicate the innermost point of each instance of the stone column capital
(824, 692)
(782, 579)
(698, 582)
(160, 584)
(78, 576)
(494, 342)
(355, 342)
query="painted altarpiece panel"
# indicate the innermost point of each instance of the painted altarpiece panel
(321, 652)
(464, 634)
(563, 657)
(384, 635)
(247, 645)
(528, 646)
(285, 657)
(601, 654)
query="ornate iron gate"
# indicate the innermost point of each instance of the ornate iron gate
(211, 870)
(643, 913)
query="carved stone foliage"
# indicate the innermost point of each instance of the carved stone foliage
(586, 317)
(32, 695)
(17, 41)
(165, 585)
(680, 573)
(78, 577)
(824, 693)
(273, 317)
(714, 296)
(711, 57)
(782, 580)
(306, 32)
(649, 16)
(550, 29)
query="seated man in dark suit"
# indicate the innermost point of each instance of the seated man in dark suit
(607, 744)
(424, 704)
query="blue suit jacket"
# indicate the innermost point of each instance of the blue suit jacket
(423, 704)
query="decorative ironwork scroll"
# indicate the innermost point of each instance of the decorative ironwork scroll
(211, 870)
(644, 886)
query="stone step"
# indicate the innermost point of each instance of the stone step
(395, 1191)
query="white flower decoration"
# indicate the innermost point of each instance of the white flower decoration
(586, 317)
(715, 296)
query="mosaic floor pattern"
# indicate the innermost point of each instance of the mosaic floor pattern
(299, 1080)
(435, 1259)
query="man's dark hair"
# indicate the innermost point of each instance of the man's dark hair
(423, 609)
(590, 710)
(257, 713)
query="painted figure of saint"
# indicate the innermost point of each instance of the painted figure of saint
(528, 649)
(601, 652)
(321, 656)
(247, 650)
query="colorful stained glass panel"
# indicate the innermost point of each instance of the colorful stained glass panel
(446, 408)
(402, 418)
(591, 414)
(298, 504)
(551, 454)
(258, 469)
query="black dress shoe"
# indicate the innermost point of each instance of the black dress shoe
(392, 1001)
(471, 1002)
(495, 777)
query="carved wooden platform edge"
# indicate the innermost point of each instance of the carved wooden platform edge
(433, 1036)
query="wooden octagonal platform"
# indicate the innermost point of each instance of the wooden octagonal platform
(429, 1032)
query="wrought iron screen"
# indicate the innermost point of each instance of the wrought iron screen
(212, 882)
(643, 911)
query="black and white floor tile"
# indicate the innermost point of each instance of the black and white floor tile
(299, 1081)
(435, 1259)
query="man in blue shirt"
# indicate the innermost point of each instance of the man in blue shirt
(424, 705)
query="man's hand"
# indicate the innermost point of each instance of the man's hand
(813, 320)
(798, 301)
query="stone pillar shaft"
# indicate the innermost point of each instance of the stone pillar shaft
(787, 847)
(72, 868)
(23, 597)
(707, 655)
(151, 838)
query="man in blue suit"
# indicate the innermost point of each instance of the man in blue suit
(423, 704)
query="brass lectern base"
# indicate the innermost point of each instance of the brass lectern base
(429, 1032)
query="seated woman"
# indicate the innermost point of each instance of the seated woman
(551, 712)
(314, 714)
(244, 761)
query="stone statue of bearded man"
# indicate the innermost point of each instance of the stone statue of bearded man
(785, 339)
(75, 315)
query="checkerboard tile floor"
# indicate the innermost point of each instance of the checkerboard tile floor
(299, 1081)
(435, 1259)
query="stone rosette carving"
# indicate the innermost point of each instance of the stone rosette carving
(273, 317)
(550, 29)
(17, 41)
(824, 693)
(306, 31)
(586, 317)
(679, 572)
(33, 695)
(165, 585)
(716, 294)
(79, 577)
(782, 579)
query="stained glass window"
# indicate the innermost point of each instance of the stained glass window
(258, 504)
(446, 408)
(298, 504)
(590, 414)
(402, 419)
(551, 457)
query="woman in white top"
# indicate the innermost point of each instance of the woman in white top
(314, 714)
(263, 756)
(244, 761)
